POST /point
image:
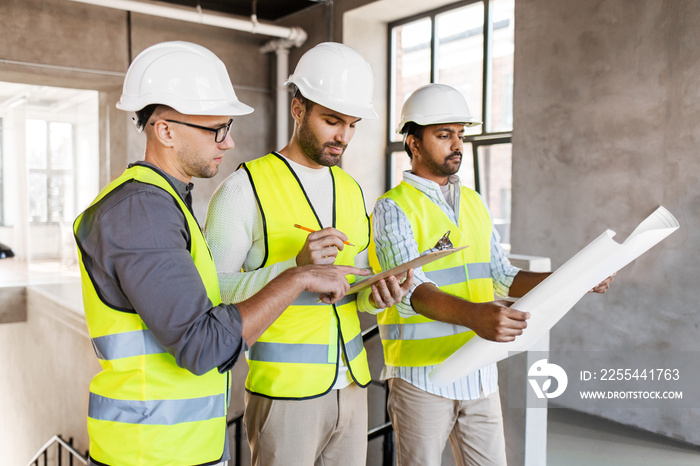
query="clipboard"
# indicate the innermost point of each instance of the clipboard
(399, 269)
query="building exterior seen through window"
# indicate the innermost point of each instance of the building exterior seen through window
(468, 45)
(49, 162)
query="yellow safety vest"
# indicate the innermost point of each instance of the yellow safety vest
(144, 409)
(297, 356)
(420, 341)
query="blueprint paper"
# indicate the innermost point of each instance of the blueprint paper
(549, 301)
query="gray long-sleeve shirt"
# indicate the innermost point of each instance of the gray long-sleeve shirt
(134, 246)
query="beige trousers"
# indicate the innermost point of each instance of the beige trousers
(423, 422)
(324, 431)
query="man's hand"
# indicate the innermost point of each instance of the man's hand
(321, 247)
(260, 310)
(496, 321)
(389, 291)
(328, 280)
(603, 286)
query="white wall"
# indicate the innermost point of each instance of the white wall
(364, 159)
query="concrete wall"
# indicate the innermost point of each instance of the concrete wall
(46, 366)
(607, 100)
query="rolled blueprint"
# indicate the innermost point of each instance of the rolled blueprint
(549, 301)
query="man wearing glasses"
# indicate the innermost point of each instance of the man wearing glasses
(165, 340)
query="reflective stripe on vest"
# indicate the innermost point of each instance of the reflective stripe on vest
(300, 352)
(457, 274)
(297, 356)
(126, 345)
(142, 403)
(420, 341)
(155, 412)
(420, 331)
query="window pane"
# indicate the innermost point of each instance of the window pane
(60, 198)
(61, 143)
(502, 47)
(466, 169)
(495, 184)
(399, 163)
(37, 198)
(410, 64)
(460, 54)
(36, 144)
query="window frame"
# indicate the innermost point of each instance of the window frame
(486, 137)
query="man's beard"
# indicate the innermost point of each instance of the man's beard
(314, 150)
(448, 167)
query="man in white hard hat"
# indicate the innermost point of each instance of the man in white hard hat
(452, 299)
(165, 340)
(305, 402)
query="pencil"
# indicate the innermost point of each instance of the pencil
(296, 225)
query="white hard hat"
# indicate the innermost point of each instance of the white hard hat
(434, 104)
(337, 77)
(181, 75)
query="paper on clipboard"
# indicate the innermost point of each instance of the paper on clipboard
(399, 269)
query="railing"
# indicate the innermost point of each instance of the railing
(385, 430)
(44, 458)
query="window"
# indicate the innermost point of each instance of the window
(468, 45)
(50, 172)
(50, 164)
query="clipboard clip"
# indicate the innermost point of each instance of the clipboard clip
(444, 242)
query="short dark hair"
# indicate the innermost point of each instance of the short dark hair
(411, 129)
(143, 115)
(308, 104)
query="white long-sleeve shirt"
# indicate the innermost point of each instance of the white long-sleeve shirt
(395, 244)
(234, 231)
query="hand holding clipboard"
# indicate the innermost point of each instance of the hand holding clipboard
(402, 268)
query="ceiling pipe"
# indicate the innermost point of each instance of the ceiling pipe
(287, 37)
(281, 48)
(296, 36)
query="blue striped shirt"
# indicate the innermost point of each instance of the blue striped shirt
(395, 245)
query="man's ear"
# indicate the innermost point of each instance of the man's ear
(413, 144)
(298, 109)
(163, 133)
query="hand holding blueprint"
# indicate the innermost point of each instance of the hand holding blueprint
(549, 301)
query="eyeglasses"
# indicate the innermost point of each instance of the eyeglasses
(220, 132)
